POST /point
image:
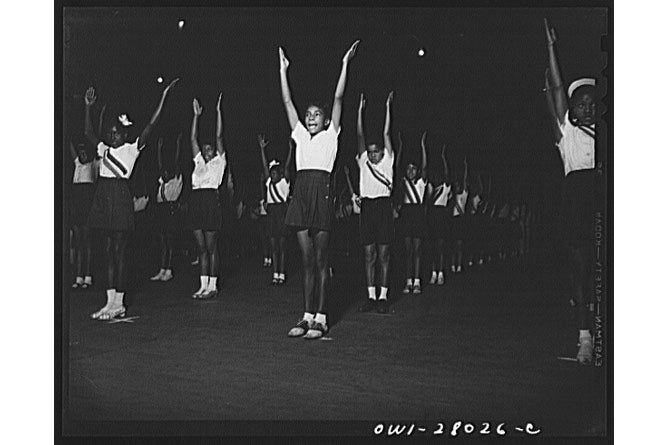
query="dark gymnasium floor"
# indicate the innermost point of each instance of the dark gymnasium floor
(482, 348)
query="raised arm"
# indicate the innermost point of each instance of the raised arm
(219, 127)
(346, 170)
(341, 86)
(361, 143)
(177, 169)
(293, 117)
(557, 87)
(89, 100)
(160, 155)
(387, 136)
(197, 112)
(156, 115)
(423, 142)
(446, 172)
(101, 119)
(466, 174)
(397, 159)
(550, 107)
(73, 151)
(288, 161)
(262, 142)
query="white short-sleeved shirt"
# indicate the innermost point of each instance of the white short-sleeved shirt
(460, 199)
(374, 177)
(277, 193)
(317, 152)
(118, 162)
(85, 173)
(409, 192)
(171, 189)
(208, 175)
(577, 147)
(442, 193)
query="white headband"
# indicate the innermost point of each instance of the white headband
(123, 119)
(580, 82)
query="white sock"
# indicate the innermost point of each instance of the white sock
(383, 293)
(88, 280)
(167, 271)
(433, 274)
(281, 276)
(204, 283)
(416, 282)
(308, 316)
(118, 298)
(321, 318)
(79, 280)
(212, 283)
(372, 292)
(111, 296)
(585, 334)
(276, 275)
(409, 282)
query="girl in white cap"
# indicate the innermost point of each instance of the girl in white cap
(277, 183)
(574, 111)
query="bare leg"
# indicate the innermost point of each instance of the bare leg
(202, 252)
(370, 257)
(308, 273)
(321, 241)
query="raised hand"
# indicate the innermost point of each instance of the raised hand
(424, 137)
(169, 87)
(390, 98)
(550, 33)
(197, 109)
(284, 63)
(220, 98)
(262, 141)
(362, 102)
(90, 98)
(351, 52)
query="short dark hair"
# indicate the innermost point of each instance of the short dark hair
(324, 106)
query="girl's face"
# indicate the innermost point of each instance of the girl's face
(276, 174)
(411, 171)
(584, 109)
(375, 153)
(315, 120)
(84, 157)
(116, 136)
(208, 152)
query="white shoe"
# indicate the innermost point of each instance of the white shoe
(158, 276)
(167, 275)
(441, 279)
(432, 280)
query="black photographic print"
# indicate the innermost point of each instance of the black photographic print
(334, 222)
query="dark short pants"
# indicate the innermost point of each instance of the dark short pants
(376, 221)
(80, 203)
(112, 207)
(439, 222)
(205, 212)
(578, 196)
(311, 207)
(412, 221)
(167, 216)
(276, 214)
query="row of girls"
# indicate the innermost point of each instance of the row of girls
(442, 205)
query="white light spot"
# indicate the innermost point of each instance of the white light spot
(181, 23)
(421, 52)
(160, 79)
